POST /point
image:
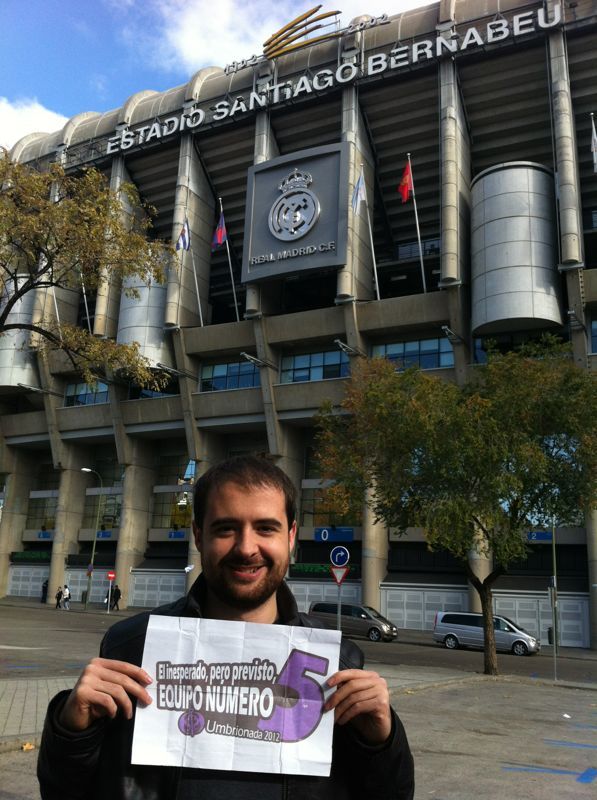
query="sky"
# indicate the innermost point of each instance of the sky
(59, 58)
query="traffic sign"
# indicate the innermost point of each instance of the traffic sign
(339, 556)
(539, 536)
(333, 534)
(339, 573)
(111, 575)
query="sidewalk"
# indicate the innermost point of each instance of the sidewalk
(23, 701)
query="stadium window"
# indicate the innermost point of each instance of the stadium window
(422, 353)
(231, 375)
(314, 366)
(85, 394)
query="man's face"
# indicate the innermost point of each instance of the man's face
(245, 545)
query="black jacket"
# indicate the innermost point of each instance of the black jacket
(97, 762)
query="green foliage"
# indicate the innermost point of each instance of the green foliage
(477, 465)
(60, 231)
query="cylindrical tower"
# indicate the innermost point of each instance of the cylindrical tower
(17, 360)
(515, 281)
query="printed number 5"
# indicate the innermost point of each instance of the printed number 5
(299, 720)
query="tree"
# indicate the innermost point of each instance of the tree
(62, 231)
(476, 466)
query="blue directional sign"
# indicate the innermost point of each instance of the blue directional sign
(176, 534)
(333, 534)
(339, 556)
(539, 536)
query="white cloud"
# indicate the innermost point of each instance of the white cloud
(184, 35)
(20, 117)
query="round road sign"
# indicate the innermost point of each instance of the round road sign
(339, 556)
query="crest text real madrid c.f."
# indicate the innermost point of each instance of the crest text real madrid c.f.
(296, 212)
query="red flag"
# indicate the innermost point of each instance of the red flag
(220, 234)
(405, 187)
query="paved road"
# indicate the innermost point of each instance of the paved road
(474, 737)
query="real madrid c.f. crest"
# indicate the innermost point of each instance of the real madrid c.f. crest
(296, 212)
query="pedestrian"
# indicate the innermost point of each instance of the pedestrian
(58, 596)
(116, 595)
(66, 597)
(245, 528)
(44, 591)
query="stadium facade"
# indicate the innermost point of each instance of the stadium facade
(492, 101)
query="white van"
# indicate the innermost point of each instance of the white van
(466, 630)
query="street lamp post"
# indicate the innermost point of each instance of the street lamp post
(97, 519)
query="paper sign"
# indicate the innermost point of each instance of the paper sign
(237, 696)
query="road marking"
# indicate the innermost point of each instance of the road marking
(588, 776)
(558, 743)
(18, 647)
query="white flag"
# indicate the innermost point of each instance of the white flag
(359, 193)
(184, 238)
(594, 143)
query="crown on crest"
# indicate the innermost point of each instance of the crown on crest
(296, 180)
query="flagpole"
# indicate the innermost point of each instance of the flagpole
(85, 301)
(230, 266)
(371, 238)
(594, 142)
(412, 183)
(196, 284)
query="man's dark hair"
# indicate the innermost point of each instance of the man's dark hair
(247, 472)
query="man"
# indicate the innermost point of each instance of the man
(116, 595)
(244, 511)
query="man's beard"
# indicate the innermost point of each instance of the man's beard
(244, 598)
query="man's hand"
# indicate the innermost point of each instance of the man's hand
(362, 698)
(102, 690)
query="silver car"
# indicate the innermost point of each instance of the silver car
(355, 620)
(466, 630)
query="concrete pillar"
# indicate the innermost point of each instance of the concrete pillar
(481, 565)
(135, 521)
(258, 297)
(69, 518)
(455, 177)
(20, 476)
(189, 272)
(568, 188)
(591, 528)
(356, 278)
(571, 239)
(107, 303)
(374, 561)
(455, 213)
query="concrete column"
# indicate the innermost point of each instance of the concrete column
(20, 476)
(267, 376)
(571, 239)
(107, 304)
(189, 272)
(258, 297)
(374, 560)
(455, 176)
(356, 279)
(135, 521)
(455, 212)
(591, 529)
(69, 518)
(568, 188)
(481, 565)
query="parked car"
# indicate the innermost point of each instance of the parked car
(355, 620)
(461, 629)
